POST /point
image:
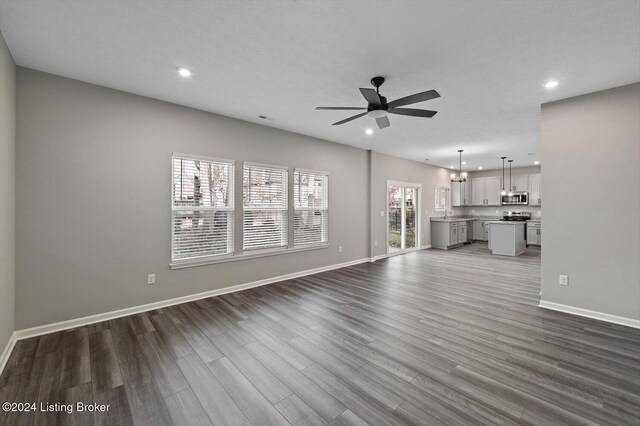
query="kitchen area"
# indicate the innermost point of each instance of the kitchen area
(506, 213)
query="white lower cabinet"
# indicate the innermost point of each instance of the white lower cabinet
(534, 234)
(445, 235)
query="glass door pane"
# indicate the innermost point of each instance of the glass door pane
(395, 218)
(410, 228)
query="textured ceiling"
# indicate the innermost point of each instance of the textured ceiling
(488, 60)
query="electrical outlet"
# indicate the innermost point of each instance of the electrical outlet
(375, 243)
(539, 212)
(151, 279)
(497, 211)
(381, 213)
(564, 280)
(473, 210)
(339, 249)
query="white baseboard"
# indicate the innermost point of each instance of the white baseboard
(91, 319)
(385, 255)
(629, 322)
(7, 351)
(379, 257)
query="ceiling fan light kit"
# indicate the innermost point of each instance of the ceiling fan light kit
(378, 107)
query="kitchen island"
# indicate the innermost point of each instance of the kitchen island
(506, 238)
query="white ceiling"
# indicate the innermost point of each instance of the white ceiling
(488, 60)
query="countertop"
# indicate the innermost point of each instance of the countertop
(483, 218)
(463, 218)
(506, 222)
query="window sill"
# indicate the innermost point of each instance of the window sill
(244, 256)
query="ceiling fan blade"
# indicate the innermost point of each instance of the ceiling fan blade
(371, 96)
(349, 119)
(383, 122)
(340, 108)
(412, 99)
(413, 112)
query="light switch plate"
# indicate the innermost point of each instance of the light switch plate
(564, 280)
(151, 279)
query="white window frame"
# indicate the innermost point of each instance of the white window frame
(447, 201)
(325, 208)
(284, 209)
(418, 208)
(229, 208)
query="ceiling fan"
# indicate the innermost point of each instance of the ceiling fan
(378, 107)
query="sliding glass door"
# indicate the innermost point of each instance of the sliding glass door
(402, 214)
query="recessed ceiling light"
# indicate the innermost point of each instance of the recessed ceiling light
(464, 162)
(479, 167)
(551, 84)
(536, 162)
(184, 72)
(451, 167)
(369, 131)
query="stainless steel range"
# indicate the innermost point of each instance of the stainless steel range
(517, 216)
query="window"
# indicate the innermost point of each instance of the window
(202, 208)
(264, 221)
(311, 207)
(442, 198)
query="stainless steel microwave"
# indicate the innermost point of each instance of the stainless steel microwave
(519, 198)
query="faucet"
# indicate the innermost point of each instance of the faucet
(446, 211)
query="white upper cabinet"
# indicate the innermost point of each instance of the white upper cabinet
(460, 194)
(535, 192)
(485, 191)
(466, 194)
(520, 183)
(456, 194)
(477, 191)
(492, 191)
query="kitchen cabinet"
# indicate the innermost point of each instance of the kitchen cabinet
(446, 235)
(535, 192)
(534, 233)
(485, 191)
(478, 230)
(462, 232)
(492, 191)
(460, 194)
(520, 183)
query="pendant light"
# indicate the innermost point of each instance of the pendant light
(463, 176)
(503, 191)
(510, 187)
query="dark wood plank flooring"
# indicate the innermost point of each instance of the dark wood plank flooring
(431, 337)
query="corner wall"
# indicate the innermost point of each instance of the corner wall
(591, 152)
(7, 194)
(384, 168)
(93, 198)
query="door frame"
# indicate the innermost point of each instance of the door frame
(417, 186)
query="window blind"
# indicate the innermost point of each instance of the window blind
(265, 199)
(202, 208)
(311, 207)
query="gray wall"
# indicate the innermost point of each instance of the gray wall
(591, 186)
(385, 167)
(93, 197)
(7, 192)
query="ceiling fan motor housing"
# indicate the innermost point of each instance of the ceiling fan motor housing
(376, 111)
